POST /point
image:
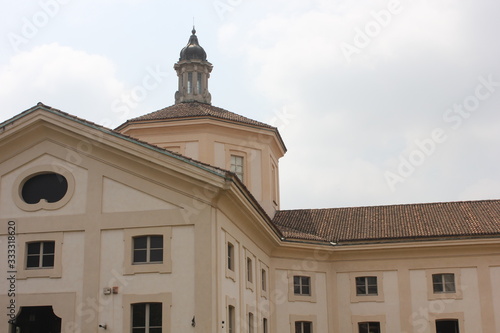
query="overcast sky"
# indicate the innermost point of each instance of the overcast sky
(378, 102)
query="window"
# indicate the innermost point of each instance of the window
(48, 186)
(230, 319)
(237, 166)
(303, 327)
(148, 249)
(369, 327)
(447, 326)
(302, 285)
(249, 270)
(250, 322)
(40, 254)
(190, 83)
(264, 325)
(198, 84)
(264, 279)
(147, 318)
(366, 285)
(443, 283)
(230, 256)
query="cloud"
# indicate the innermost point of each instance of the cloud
(59, 76)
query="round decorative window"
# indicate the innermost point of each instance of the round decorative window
(40, 188)
(50, 187)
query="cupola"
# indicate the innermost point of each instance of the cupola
(193, 71)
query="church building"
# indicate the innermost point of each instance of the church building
(172, 223)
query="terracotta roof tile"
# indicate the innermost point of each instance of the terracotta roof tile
(396, 222)
(195, 110)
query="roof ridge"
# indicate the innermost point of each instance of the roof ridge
(391, 205)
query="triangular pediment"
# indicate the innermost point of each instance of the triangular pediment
(118, 197)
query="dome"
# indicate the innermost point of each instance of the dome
(193, 50)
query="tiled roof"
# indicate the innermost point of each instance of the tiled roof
(195, 110)
(392, 223)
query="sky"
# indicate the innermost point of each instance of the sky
(378, 102)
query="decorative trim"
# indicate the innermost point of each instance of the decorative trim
(40, 169)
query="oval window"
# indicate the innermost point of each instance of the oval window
(50, 187)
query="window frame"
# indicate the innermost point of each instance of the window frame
(355, 298)
(42, 204)
(46, 272)
(164, 298)
(442, 283)
(431, 295)
(264, 280)
(148, 249)
(147, 315)
(459, 316)
(303, 318)
(369, 323)
(130, 268)
(356, 320)
(249, 270)
(41, 254)
(292, 297)
(240, 174)
(366, 284)
(231, 272)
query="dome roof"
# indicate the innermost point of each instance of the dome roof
(193, 50)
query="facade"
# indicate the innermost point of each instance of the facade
(172, 223)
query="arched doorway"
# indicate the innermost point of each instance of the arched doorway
(37, 319)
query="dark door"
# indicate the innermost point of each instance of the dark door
(447, 326)
(37, 319)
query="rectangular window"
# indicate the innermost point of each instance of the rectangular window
(303, 327)
(447, 326)
(250, 322)
(148, 249)
(230, 256)
(190, 83)
(366, 286)
(147, 318)
(302, 285)
(369, 327)
(237, 166)
(40, 254)
(264, 279)
(443, 283)
(230, 319)
(264, 325)
(249, 270)
(198, 84)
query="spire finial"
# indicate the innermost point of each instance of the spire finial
(194, 30)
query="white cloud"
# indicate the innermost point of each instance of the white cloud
(59, 76)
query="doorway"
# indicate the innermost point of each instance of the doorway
(37, 319)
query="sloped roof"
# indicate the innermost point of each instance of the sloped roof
(196, 110)
(392, 223)
(115, 133)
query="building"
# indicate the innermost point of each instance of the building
(172, 223)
